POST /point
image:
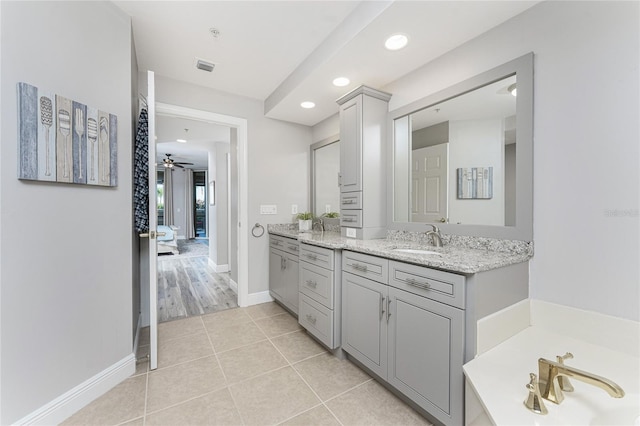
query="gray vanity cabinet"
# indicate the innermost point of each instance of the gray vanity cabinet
(319, 283)
(406, 323)
(364, 326)
(426, 347)
(283, 271)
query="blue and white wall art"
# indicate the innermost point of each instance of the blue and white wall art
(61, 140)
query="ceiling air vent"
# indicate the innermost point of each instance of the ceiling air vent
(203, 65)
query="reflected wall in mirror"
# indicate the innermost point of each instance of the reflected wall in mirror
(325, 167)
(476, 125)
(475, 130)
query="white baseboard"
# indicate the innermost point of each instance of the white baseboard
(257, 298)
(233, 285)
(218, 268)
(61, 408)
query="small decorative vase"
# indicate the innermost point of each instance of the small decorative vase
(304, 225)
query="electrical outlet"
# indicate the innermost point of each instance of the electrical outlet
(351, 233)
(294, 209)
(327, 208)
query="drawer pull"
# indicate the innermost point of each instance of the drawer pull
(311, 319)
(348, 219)
(311, 256)
(416, 283)
(293, 248)
(359, 267)
(312, 284)
(348, 201)
(276, 242)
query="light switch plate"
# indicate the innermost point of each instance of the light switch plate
(294, 209)
(351, 232)
(268, 209)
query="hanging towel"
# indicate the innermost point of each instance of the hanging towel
(141, 175)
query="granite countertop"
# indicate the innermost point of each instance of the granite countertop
(466, 255)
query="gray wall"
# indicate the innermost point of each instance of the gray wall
(278, 157)
(429, 136)
(65, 272)
(585, 224)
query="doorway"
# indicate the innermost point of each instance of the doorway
(239, 235)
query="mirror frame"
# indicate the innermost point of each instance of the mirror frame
(312, 169)
(522, 67)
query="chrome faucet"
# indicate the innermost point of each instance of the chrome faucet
(550, 373)
(434, 234)
(320, 222)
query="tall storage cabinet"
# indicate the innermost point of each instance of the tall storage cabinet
(363, 123)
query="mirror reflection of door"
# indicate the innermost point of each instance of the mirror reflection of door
(429, 183)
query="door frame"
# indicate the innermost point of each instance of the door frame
(240, 124)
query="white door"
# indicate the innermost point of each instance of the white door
(429, 171)
(153, 226)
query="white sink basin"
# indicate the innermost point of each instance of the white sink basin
(417, 251)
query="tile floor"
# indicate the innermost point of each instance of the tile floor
(245, 366)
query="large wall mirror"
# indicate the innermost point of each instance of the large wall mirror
(462, 158)
(325, 167)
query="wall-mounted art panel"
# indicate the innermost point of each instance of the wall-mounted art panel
(62, 140)
(475, 183)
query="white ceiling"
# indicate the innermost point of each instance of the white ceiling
(286, 52)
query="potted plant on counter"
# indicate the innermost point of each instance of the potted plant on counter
(304, 221)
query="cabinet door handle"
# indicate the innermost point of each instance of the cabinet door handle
(416, 283)
(359, 267)
(312, 283)
(284, 259)
(282, 263)
(381, 306)
(388, 308)
(311, 319)
(339, 179)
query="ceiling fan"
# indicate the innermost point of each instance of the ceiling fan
(170, 163)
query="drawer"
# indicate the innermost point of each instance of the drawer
(288, 245)
(317, 283)
(317, 319)
(318, 256)
(351, 200)
(351, 218)
(374, 268)
(440, 286)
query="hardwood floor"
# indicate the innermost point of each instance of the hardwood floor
(188, 287)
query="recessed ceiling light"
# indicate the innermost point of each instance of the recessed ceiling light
(396, 42)
(181, 140)
(341, 81)
(307, 104)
